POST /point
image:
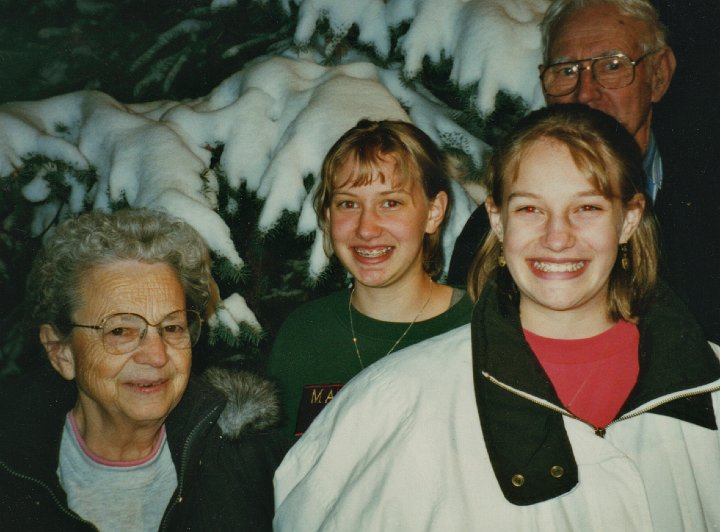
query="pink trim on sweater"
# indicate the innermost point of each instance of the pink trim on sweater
(116, 463)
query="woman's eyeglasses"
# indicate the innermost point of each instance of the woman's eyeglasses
(122, 333)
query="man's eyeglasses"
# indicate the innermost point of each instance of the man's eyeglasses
(610, 71)
(122, 333)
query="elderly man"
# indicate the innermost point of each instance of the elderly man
(612, 55)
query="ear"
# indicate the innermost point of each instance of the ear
(495, 217)
(662, 74)
(436, 213)
(58, 352)
(633, 216)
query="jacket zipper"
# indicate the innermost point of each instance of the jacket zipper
(651, 405)
(42, 484)
(177, 498)
(599, 431)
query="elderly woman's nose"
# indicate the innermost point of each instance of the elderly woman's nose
(152, 349)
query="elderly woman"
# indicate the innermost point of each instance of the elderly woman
(127, 439)
(582, 396)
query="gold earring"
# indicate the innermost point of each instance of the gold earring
(624, 258)
(501, 258)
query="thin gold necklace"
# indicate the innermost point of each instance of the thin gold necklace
(352, 326)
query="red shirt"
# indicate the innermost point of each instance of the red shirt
(592, 376)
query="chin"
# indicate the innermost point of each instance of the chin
(150, 415)
(152, 410)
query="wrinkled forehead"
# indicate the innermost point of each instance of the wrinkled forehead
(596, 30)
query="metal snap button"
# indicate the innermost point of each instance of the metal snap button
(557, 471)
(518, 480)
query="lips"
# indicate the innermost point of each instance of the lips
(146, 386)
(373, 253)
(558, 267)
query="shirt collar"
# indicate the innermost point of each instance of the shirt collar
(652, 164)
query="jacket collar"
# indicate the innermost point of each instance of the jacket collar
(525, 437)
(34, 408)
(193, 417)
(34, 414)
(35, 405)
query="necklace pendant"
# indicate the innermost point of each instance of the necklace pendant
(397, 342)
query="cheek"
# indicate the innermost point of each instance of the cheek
(630, 107)
(568, 98)
(183, 362)
(610, 241)
(94, 371)
(340, 226)
(604, 240)
(90, 360)
(516, 237)
(411, 232)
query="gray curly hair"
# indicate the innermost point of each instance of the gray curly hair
(96, 238)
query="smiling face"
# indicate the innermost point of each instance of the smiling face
(560, 236)
(377, 229)
(135, 389)
(599, 30)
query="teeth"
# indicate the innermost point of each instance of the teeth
(372, 253)
(552, 267)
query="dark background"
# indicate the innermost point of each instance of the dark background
(51, 47)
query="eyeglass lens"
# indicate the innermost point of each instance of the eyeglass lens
(614, 72)
(122, 333)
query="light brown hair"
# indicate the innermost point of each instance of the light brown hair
(417, 157)
(604, 150)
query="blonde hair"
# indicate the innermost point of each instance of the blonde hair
(603, 149)
(417, 157)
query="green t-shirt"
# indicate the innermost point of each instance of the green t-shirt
(313, 355)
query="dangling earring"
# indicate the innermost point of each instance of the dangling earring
(501, 257)
(624, 259)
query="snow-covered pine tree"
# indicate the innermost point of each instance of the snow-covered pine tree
(221, 111)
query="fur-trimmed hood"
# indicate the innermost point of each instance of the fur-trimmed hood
(224, 482)
(252, 401)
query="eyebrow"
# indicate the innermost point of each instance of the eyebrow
(606, 53)
(390, 192)
(584, 194)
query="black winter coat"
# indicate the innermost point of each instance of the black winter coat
(223, 451)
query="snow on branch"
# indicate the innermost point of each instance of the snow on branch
(368, 15)
(39, 127)
(275, 121)
(137, 160)
(492, 43)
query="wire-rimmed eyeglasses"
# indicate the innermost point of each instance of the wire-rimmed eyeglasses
(613, 71)
(122, 333)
